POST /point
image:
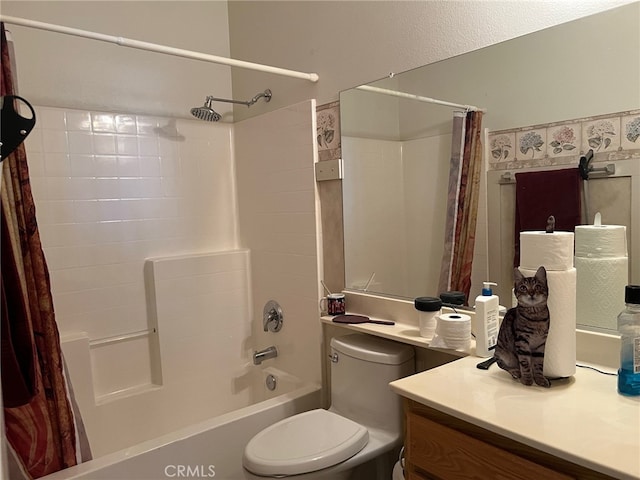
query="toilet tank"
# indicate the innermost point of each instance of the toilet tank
(362, 366)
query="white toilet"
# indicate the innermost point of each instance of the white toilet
(363, 422)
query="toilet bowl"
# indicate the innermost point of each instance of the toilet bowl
(363, 422)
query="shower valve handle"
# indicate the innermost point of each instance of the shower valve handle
(272, 317)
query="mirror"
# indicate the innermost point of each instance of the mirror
(396, 150)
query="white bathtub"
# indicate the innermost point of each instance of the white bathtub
(209, 449)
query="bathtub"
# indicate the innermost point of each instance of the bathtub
(209, 449)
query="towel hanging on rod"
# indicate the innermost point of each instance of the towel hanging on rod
(152, 47)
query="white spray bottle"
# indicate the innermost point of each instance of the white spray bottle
(487, 322)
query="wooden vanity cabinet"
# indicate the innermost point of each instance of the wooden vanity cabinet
(439, 446)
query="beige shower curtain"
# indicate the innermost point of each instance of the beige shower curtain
(462, 203)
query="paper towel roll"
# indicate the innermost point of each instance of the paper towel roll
(601, 241)
(553, 250)
(560, 350)
(600, 290)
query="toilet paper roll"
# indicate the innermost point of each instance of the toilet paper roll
(600, 290)
(453, 331)
(553, 250)
(601, 241)
(560, 349)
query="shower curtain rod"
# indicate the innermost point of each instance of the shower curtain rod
(411, 96)
(178, 52)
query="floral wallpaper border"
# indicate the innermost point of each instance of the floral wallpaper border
(613, 136)
(328, 131)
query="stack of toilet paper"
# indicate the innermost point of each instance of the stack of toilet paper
(554, 251)
(602, 263)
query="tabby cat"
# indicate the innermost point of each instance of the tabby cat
(523, 333)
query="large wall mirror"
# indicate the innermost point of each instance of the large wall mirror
(396, 150)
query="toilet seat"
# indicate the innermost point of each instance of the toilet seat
(304, 443)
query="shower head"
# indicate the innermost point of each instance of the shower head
(205, 112)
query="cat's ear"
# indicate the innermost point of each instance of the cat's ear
(541, 274)
(517, 275)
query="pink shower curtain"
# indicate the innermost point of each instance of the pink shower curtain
(462, 204)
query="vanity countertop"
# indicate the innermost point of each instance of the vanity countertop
(581, 419)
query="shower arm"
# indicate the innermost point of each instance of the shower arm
(266, 94)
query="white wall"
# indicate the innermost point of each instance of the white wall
(72, 72)
(353, 42)
(347, 43)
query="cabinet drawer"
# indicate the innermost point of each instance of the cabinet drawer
(437, 451)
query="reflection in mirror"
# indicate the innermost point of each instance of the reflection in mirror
(389, 177)
(396, 150)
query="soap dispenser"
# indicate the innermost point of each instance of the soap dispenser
(486, 321)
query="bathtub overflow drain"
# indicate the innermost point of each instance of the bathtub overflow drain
(271, 382)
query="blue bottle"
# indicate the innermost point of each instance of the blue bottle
(629, 330)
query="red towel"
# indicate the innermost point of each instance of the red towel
(540, 194)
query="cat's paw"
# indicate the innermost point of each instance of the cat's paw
(526, 380)
(543, 382)
(515, 374)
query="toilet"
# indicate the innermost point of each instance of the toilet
(363, 423)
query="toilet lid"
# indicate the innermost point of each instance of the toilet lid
(304, 443)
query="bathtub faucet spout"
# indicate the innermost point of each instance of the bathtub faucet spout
(269, 352)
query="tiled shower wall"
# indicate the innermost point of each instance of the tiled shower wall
(112, 190)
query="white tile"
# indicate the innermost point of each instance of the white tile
(109, 232)
(33, 142)
(126, 124)
(35, 160)
(82, 165)
(78, 120)
(150, 166)
(54, 141)
(59, 188)
(104, 144)
(106, 166)
(57, 165)
(106, 189)
(103, 122)
(148, 146)
(85, 211)
(60, 211)
(128, 166)
(39, 188)
(127, 145)
(80, 143)
(133, 209)
(82, 188)
(110, 210)
(146, 124)
(140, 187)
